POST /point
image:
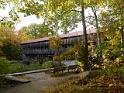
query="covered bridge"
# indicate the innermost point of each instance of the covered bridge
(40, 47)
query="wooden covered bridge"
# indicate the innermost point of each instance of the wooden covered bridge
(40, 47)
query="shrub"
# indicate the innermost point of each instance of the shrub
(4, 69)
(121, 72)
(47, 64)
(11, 50)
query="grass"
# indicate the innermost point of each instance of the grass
(18, 67)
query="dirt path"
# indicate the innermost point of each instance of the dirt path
(39, 82)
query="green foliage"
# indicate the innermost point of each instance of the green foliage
(68, 21)
(121, 72)
(76, 52)
(4, 69)
(48, 64)
(46, 9)
(10, 41)
(110, 52)
(4, 66)
(67, 55)
(19, 67)
(38, 30)
(109, 70)
(58, 63)
(80, 55)
(111, 77)
(79, 52)
(65, 14)
(113, 70)
(11, 51)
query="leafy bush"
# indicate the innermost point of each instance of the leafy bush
(4, 69)
(67, 55)
(110, 80)
(121, 72)
(47, 64)
(11, 50)
(55, 42)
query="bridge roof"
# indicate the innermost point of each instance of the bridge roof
(73, 34)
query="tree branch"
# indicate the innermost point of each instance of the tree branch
(76, 11)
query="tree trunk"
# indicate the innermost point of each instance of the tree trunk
(122, 37)
(97, 28)
(98, 33)
(85, 40)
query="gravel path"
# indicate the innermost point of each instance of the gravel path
(39, 82)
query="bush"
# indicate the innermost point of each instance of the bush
(121, 72)
(4, 69)
(47, 64)
(110, 80)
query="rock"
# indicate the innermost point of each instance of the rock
(14, 78)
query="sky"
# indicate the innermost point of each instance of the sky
(26, 21)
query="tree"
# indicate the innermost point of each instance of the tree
(112, 26)
(56, 9)
(10, 41)
(56, 20)
(11, 51)
(86, 64)
(39, 30)
(22, 35)
(71, 5)
(57, 13)
(55, 42)
(94, 20)
(117, 7)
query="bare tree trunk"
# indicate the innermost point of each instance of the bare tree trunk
(85, 40)
(98, 33)
(122, 37)
(97, 26)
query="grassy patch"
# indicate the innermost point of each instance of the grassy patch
(18, 67)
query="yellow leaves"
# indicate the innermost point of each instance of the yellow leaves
(115, 39)
(119, 60)
(64, 5)
(22, 35)
(103, 13)
(55, 42)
